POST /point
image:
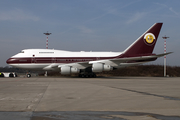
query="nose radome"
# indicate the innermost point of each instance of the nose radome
(8, 61)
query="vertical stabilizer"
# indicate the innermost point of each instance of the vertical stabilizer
(144, 45)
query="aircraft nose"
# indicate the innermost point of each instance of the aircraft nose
(11, 60)
(8, 61)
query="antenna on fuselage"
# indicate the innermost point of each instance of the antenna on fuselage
(47, 39)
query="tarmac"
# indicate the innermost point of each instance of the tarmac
(102, 98)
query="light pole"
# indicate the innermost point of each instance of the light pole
(47, 39)
(46, 47)
(165, 55)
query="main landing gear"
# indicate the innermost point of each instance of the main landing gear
(87, 75)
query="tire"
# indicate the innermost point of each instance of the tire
(28, 75)
(82, 75)
(1, 75)
(94, 75)
(90, 75)
(15, 75)
(11, 75)
(87, 76)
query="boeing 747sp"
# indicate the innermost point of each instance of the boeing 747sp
(86, 64)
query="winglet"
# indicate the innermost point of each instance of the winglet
(144, 45)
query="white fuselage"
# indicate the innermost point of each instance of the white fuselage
(41, 58)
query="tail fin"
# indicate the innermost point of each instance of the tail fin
(144, 45)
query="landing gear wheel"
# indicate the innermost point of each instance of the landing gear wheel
(28, 75)
(94, 75)
(82, 75)
(1, 75)
(90, 75)
(87, 75)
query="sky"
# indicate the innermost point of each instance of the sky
(87, 25)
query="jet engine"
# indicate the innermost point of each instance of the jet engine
(99, 67)
(66, 70)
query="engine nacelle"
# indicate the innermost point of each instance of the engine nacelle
(67, 70)
(99, 67)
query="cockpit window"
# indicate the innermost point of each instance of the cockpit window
(22, 51)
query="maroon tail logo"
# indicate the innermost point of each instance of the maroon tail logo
(144, 45)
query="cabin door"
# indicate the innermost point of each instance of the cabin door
(53, 60)
(33, 59)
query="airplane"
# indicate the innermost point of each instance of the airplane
(87, 64)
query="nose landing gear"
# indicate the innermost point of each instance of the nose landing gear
(28, 75)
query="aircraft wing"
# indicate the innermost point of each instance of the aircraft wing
(112, 62)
